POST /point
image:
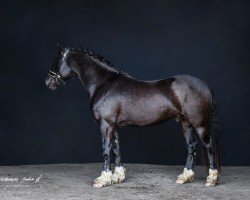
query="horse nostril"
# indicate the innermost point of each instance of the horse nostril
(47, 82)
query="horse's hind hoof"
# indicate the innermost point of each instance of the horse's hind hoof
(213, 178)
(186, 176)
(103, 180)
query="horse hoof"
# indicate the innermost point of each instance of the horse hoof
(212, 178)
(97, 185)
(103, 180)
(178, 181)
(209, 184)
(119, 175)
(186, 176)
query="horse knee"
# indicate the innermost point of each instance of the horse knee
(105, 156)
(192, 149)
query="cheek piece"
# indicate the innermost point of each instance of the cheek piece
(57, 76)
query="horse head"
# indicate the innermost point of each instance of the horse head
(60, 71)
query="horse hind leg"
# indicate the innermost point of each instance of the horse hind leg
(206, 140)
(188, 173)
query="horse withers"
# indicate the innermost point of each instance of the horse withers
(117, 99)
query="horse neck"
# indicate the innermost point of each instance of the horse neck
(93, 74)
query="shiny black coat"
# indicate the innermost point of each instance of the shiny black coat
(117, 99)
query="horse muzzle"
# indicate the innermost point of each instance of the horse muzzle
(52, 83)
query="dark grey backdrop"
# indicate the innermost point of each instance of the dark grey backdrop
(149, 40)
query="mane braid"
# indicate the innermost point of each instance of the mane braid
(98, 57)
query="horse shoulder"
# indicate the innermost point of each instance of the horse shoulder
(104, 105)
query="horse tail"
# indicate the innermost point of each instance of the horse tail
(214, 136)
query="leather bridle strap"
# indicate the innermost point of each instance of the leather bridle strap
(55, 75)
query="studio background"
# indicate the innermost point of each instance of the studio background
(147, 39)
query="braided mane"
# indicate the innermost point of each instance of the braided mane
(99, 58)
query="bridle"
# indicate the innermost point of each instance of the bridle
(56, 75)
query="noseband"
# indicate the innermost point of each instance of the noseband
(55, 75)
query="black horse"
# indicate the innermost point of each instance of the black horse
(117, 99)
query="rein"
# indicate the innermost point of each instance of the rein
(55, 75)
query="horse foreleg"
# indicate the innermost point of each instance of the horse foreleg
(107, 134)
(188, 173)
(119, 171)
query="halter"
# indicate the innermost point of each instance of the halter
(56, 75)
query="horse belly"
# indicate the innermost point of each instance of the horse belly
(146, 111)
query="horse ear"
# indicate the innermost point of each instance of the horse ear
(60, 48)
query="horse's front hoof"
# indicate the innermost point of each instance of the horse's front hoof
(98, 185)
(179, 181)
(209, 184)
(186, 176)
(103, 180)
(119, 175)
(213, 178)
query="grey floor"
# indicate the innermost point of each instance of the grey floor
(74, 181)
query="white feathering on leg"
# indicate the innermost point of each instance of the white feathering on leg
(186, 176)
(119, 175)
(103, 180)
(212, 178)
